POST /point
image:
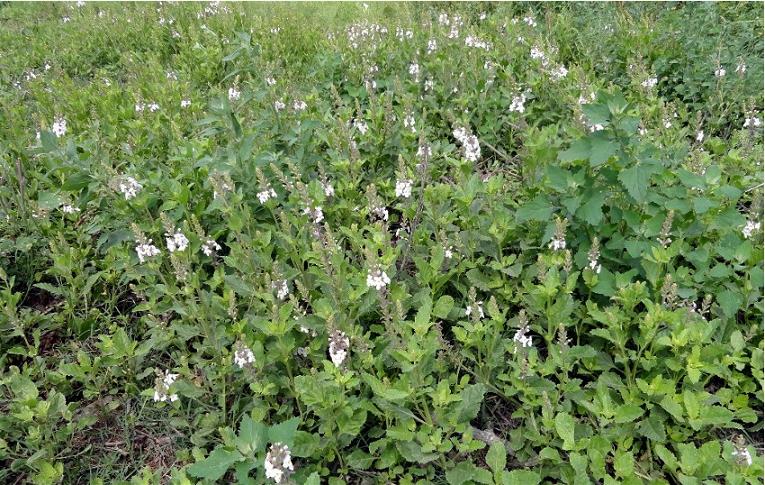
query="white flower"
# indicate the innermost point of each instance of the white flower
(316, 214)
(146, 250)
(642, 131)
(404, 188)
(243, 355)
(270, 81)
(129, 187)
(265, 195)
(185, 103)
(449, 252)
(210, 246)
(153, 107)
(650, 82)
(279, 105)
(537, 53)
(594, 266)
(414, 70)
(329, 191)
(752, 121)
(559, 72)
(741, 68)
(469, 309)
(171, 75)
(361, 126)
(162, 387)
(472, 148)
(176, 242)
(429, 84)
(278, 462)
(557, 244)
(596, 127)
(339, 344)
(65, 19)
(530, 21)
(59, 127)
(139, 107)
(424, 151)
(432, 46)
(377, 278)
(742, 456)
(69, 209)
(517, 104)
(409, 122)
(282, 289)
(175, 34)
(700, 136)
(381, 213)
(719, 72)
(667, 124)
(750, 228)
(521, 339)
(299, 105)
(80, 3)
(233, 94)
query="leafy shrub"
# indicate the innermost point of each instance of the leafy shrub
(389, 243)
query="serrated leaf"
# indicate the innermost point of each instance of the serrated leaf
(672, 407)
(443, 306)
(626, 413)
(579, 150)
(653, 429)
(592, 210)
(314, 479)
(539, 209)
(252, 435)
(624, 463)
(284, 432)
(470, 402)
(729, 302)
(520, 477)
(601, 149)
(496, 457)
(215, 465)
(565, 425)
(636, 180)
(465, 472)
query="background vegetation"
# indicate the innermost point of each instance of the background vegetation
(414, 243)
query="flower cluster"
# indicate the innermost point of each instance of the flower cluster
(377, 278)
(558, 242)
(750, 228)
(479, 308)
(162, 387)
(521, 338)
(266, 194)
(315, 214)
(129, 187)
(339, 345)
(233, 94)
(243, 355)
(59, 127)
(282, 289)
(517, 104)
(469, 142)
(404, 188)
(593, 256)
(177, 241)
(278, 463)
(146, 250)
(210, 246)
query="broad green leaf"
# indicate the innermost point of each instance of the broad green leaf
(496, 457)
(627, 413)
(592, 210)
(470, 402)
(314, 479)
(672, 407)
(579, 150)
(601, 149)
(730, 302)
(636, 180)
(215, 465)
(539, 209)
(443, 306)
(520, 477)
(653, 429)
(252, 435)
(465, 472)
(624, 463)
(565, 425)
(284, 432)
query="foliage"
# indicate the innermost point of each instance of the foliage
(411, 243)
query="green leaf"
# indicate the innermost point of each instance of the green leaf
(284, 432)
(579, 150)
(238, 285)
(215, 465)
(730, 302)
(672, 407)
(601, 149)
(470, 402)
(591, 211)
(520, 477)
(626, 413)
(465, 472)
(636, 180)
(653, 429)
(624, 463)
(496, 457)
(538, 209)
(314, 479)
(411, 451)
(252, 435)
(443, 306)
(564, 425)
